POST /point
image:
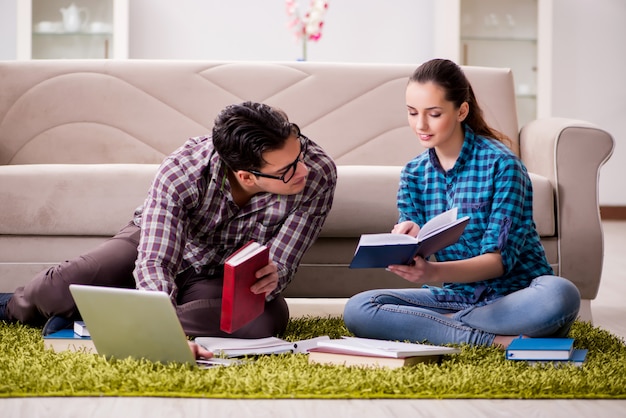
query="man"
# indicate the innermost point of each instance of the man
(255, 178)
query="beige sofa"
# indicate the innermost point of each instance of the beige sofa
(81, 140)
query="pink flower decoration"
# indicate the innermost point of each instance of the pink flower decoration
(310, 26)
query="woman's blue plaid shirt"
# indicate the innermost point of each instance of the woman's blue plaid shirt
(489, 184)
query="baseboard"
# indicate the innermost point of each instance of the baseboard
(324, 307)
(613, 213)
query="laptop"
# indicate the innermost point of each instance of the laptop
(135, 323)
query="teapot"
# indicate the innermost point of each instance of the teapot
(74, 17)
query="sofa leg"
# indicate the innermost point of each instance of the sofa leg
(585, 311)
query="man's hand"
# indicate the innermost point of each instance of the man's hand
(268, 280)
(198, 351)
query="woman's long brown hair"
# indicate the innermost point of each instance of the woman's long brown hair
(450, 77)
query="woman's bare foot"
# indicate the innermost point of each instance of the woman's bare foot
(503, 341)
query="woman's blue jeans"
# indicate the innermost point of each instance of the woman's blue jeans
(546, 308)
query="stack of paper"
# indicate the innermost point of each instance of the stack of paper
(80, 329)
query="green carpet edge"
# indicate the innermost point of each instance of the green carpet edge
(27, 370)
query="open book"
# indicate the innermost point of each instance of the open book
(383, 250)
(239, 347)
(383, 348)
(239, 304)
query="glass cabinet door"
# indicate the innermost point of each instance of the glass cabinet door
(66, 29)
(503, 33)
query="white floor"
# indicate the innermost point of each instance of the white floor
(187, 408)
(608, 309)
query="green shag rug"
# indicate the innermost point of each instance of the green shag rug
(27, 370)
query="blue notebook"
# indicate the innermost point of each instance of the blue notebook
(540, 349)
(66, 334)
(66, 339)
(578, 359)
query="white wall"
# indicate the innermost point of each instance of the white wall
(354, 31)
(8, 29)
(588, 77)
(588, 57)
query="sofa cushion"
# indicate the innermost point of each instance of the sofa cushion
(60, 195)
(365, 201)
(544, 211)
(71, 199)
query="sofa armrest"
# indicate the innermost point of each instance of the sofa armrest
(570, 154)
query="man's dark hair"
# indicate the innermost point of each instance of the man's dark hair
(243, 132)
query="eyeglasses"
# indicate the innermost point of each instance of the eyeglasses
(290, 171)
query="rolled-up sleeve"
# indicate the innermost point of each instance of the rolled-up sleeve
(506, 227)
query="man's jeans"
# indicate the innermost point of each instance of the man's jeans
(546, 308)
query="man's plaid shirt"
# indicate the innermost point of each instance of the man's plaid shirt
(189, 219)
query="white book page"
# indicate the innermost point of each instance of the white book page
(436, 223)
(246, 253)
(234, 347)
(225, 343)
(385, 239)
(303, 346)
(217, 362)
(386, 348)
(392, 346)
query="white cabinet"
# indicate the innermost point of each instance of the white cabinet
(72, 29)
(495, 33)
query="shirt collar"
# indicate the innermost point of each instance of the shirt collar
(218, 173)
(464, 155)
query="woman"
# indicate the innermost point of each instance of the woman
(498, 283)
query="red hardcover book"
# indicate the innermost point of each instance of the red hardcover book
(239, 304)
